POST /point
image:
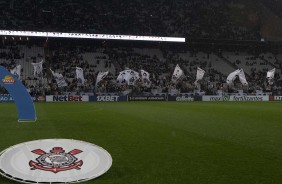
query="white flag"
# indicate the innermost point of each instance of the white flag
(242, 77)
(132, 77)
(145, 76)
(37, 70)
(200, 74)
(17, 72)
(232, 76)
(59, 79)
(127, 77)
(176, 74)
(79, 76)
(101, 76)
(120, 78)
(270, 74)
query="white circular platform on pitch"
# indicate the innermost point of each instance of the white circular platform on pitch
(54, 160)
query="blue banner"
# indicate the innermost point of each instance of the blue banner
(24, 103)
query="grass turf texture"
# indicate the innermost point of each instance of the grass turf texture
(165, 142)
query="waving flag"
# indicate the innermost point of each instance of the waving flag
(17, 71)
(121, 78)
(242, 77)
(240, 73)
(232, 76)
(200, 75)
(176, 74)
(101, 76)
(270, 76)
(79, 76)
(145, 76)
(127, 77)
(133, 77)
(59, 79)
(38, 70)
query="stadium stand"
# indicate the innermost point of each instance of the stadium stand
(220, 40)
(159, 62)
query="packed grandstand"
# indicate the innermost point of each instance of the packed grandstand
(219, 40)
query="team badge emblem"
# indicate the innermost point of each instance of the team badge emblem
(56, 160)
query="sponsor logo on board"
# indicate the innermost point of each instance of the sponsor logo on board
(8, 79)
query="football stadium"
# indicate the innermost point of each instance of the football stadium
(151, 92)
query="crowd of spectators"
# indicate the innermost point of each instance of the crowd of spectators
(194, 19)
(64, 58)
(161, 69)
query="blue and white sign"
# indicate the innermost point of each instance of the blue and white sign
(24, 103)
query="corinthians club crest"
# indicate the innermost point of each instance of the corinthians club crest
(56, 160)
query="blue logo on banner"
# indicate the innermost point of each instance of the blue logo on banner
(24, 103)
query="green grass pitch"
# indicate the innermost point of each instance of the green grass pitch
(165, 142)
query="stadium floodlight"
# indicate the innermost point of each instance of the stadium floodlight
(91, 36)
